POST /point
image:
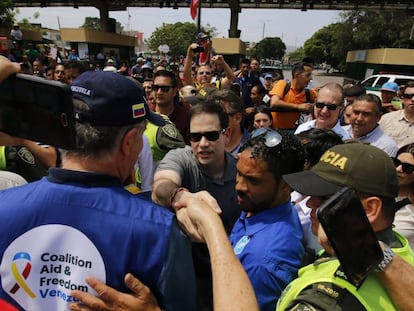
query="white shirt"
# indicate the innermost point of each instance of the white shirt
(311, 124)
(378, 139)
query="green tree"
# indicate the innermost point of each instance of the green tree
(269, 47)
(26, 23)
(95, 24)
(177, 36)
(92, 23)
(7, 13)
(296, 55)
(378, 29)
(359, 30)
(329, 44)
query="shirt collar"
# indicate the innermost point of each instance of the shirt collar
(369, 134)
(59, 175)
(262, 219)
(387, 236)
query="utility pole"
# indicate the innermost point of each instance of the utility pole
(199, 17)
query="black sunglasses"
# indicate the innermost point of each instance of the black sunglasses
(406, 167)
(210, 136)
(329, 106)
(407, 96)
(271, 137)
(164, 88)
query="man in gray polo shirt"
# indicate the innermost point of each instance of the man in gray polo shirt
(203, 166)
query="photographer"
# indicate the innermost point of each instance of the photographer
(204, 73)
(204, 49)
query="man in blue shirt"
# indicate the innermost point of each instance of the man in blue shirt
(80, 221)
(267, 238)
(246, 79)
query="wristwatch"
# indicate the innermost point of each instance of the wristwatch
(388, 256)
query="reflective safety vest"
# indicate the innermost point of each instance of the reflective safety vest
(2, 157)
(19, 160)
(323, 278)
(163, 139)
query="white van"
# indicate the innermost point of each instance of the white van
(374, 83)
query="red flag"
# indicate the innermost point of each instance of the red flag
(194, 8)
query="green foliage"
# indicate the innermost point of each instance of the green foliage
(377, 29)
(26, 23)
(94, 23)
(268, 47)
(177, 36)
(329, 44)
(296, 55)
(7, 13)
(359, 30)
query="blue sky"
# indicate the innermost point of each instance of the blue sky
(293, 26)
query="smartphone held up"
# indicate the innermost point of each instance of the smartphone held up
(37, 109)
(350, 234)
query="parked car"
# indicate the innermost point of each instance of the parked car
(374, 83)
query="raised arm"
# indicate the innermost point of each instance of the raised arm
(219, 60)
(187, 75)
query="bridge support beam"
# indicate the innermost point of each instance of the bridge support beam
(234, 19)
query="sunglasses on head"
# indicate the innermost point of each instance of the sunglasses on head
(329, 106)
(271, 137)
(406, 167)
(210, 136)
(407, 96)
(163, 88)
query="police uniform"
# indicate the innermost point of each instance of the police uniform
(323, 286)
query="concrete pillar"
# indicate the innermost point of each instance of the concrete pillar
(234, 18)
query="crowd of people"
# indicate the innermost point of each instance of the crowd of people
(198, 189)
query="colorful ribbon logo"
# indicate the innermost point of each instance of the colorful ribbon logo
(20, 278)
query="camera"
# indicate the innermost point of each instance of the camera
(198, 49)
(174, 67)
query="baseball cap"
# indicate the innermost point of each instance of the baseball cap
(268, 76)
(110, 69)
(365, 168)
(146, 66)
(201, 35)
(205, 92)
(390, 86)
(113, 100)
(188, 90)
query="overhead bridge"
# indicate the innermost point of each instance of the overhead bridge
(243, 4)
(235, 6)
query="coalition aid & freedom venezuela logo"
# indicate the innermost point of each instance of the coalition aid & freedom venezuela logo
(21, 277)
(40, 268)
